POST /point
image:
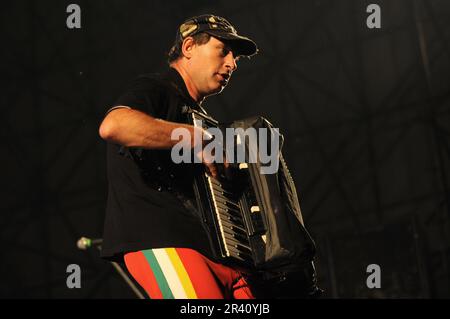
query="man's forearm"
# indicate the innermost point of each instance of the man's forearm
(133, 128)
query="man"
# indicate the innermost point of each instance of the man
(151, 220)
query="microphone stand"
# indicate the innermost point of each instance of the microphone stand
(116, 266)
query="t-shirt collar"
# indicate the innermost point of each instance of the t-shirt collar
(173, 76)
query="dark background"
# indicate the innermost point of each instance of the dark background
(365, 114)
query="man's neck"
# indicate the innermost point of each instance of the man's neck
(193, 91)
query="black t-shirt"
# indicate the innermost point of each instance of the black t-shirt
(150, 199)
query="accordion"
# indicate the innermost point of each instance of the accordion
(253, 220)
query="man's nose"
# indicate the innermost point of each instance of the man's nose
(230, 61)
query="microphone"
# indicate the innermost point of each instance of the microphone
(84, 243)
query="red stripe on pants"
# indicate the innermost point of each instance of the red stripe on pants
(140, 269)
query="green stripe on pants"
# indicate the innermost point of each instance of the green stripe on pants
(162, 282)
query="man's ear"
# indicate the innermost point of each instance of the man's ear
(187, 47)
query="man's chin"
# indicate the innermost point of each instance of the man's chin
(218, 89)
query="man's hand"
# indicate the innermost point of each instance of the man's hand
(213, 168)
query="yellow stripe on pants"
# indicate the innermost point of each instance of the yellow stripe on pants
(182, 273)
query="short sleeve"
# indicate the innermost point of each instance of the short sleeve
(144, 94)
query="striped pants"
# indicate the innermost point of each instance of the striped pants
(183, 273)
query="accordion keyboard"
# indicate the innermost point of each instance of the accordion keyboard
(230, 221)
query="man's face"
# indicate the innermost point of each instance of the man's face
(212, 64)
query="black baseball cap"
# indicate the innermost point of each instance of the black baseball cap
(220, 28)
